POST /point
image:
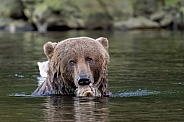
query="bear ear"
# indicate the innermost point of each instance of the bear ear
(49, 49)
(104, 42)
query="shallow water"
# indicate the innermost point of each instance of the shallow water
(146, 77)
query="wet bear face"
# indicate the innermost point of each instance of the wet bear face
(78, 66)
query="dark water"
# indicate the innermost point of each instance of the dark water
(146, 76)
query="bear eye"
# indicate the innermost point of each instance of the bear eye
(72, 63)
(89, 60)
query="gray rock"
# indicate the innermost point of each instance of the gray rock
(95, 14)
(167, 20)
(136, 23)
(157, 16)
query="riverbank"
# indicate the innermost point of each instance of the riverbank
(57, 15)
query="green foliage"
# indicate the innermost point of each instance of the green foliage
(56, 4)
(170, 2)
(182, 9)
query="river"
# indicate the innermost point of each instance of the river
(146, 78)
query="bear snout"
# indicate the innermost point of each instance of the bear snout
(84, 80)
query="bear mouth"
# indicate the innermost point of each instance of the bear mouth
(87, 91)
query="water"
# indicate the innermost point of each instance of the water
(146, 77)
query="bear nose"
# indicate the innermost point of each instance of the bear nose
(84, 80)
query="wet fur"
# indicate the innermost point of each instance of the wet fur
(61, 78)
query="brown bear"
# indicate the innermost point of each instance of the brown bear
(77, 67)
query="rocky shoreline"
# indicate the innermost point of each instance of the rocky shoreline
(57, 15)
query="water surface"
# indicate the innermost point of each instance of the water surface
(146, 77)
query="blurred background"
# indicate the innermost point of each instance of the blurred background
(59, 15)
(145, 73)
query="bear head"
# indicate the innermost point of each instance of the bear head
(77, 66)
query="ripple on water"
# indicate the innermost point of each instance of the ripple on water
(135, 93)
(123, 94)
(20, 95)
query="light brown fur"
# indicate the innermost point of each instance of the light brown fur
(72, 57)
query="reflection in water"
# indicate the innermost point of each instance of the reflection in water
(79, 109)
